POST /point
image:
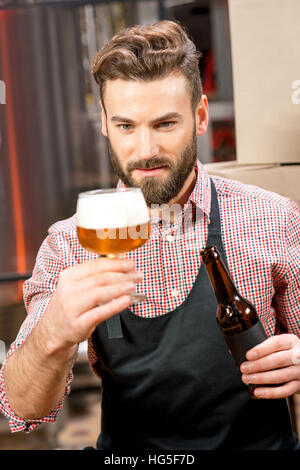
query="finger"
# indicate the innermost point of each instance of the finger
(280, 376)
(271, 345)
(295, 356)
(108, 278)
(99, 265)
(102, 295)
(270, 362)
(101, 313)
(278, 392)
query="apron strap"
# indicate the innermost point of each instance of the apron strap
(214, 236)
(114, 327)
(215, 224)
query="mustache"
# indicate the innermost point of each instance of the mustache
(149, 164)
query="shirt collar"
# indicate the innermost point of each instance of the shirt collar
(201, 193)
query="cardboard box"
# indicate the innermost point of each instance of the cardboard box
(265, 38)
(281, 179)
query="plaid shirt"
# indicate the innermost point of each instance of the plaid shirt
(260, 231)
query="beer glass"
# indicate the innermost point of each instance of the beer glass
(111, 222)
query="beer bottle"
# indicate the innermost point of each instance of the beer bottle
(236, 316)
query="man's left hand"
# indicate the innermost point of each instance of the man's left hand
(274, 361)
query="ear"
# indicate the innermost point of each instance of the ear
(201, 115)
(103, 119)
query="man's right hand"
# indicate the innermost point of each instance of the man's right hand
(86, 295)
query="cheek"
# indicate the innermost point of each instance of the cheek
(120, 143)
(175, 142)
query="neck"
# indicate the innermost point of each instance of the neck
(221, 280)
(186, 190)
(178, 201)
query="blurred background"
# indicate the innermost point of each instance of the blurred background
(51, 148)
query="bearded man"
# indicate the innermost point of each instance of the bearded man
(169, 381)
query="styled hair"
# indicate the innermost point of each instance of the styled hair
(149, 52)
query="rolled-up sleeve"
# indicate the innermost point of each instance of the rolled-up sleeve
(19, 424)
(287, 295)
(38, 291)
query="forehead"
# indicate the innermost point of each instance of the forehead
(132, 97)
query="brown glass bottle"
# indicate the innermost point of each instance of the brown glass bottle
(236, 316)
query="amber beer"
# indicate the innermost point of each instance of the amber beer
(114, 221)
(236, 316)
(110, 241)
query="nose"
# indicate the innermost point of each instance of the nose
(146, 145)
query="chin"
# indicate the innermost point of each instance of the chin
(146, 179)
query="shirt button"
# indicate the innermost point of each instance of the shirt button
(175, 292)
(170, 238)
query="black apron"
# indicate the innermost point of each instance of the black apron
(169, 382)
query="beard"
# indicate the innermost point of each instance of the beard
(155, 189)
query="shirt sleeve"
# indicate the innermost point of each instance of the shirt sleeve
(287, 291)
(38, 291)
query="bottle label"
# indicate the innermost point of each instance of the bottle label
(240, 343)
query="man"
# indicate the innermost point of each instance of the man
(168, 379)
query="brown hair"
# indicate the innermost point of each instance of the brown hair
(147, 53)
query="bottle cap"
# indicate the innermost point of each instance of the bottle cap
(210, 253)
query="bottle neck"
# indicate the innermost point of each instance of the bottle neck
(221, 281)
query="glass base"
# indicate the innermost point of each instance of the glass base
(136, 298)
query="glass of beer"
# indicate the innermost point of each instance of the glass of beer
(111, 222)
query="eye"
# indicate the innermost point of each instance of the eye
(166, 124)
(125, 127)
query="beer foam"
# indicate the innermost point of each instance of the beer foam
(114, 209)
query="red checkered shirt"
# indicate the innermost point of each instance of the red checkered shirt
(260, 231)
